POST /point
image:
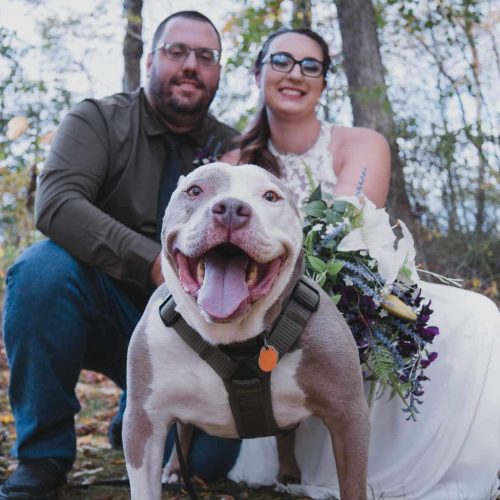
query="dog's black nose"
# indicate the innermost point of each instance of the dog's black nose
(232, 213)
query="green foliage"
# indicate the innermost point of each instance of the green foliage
(417, 19)
(249, 27)
(244, 33)
(381, 364)
(40, 105)
(448, 126)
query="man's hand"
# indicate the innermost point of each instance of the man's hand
(155, 274)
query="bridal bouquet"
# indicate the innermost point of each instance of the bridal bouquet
(353, 253)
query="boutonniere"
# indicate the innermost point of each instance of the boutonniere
(208, 153)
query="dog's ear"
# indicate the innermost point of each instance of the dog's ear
(180, 180)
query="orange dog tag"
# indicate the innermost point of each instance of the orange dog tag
(268, 358)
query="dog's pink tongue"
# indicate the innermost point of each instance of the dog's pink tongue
(224, 288)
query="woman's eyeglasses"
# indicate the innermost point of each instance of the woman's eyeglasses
(284, 63)
(180, 52)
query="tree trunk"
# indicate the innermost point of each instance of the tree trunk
(368, 92)
(478, 140)
(301, 14)
(132, 45)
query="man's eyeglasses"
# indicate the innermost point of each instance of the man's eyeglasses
(180, 52)
(284, 63)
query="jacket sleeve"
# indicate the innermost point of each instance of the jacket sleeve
(65, 209)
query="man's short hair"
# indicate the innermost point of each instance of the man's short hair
(186, 14)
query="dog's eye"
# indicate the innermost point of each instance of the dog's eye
(194, 191)
(271, 196)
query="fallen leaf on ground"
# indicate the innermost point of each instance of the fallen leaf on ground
(198, 481)
(6, 418)
(87, 472)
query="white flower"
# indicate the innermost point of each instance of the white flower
(348, 281)
(317, 227)
(16, 127)
(329, 229)
(383, 313)
(377, 237)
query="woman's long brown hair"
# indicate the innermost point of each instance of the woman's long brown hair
(253, 143)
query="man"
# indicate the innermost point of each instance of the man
(73, 300)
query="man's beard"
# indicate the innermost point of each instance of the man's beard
(175, 111)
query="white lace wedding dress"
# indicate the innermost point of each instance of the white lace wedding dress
(452, 452)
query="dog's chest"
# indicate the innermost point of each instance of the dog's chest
(194, 393)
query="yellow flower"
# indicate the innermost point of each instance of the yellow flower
(397, 307)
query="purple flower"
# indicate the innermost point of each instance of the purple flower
(429, 333)
(418, 299)
(407, 348)
(367, 304)
(424, 363)
(427, 307)
(423, 318)
(363, 344)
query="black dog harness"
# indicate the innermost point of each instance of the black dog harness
(248, 387)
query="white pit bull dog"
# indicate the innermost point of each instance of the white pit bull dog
(232, 256)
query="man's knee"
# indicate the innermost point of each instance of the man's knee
(41, 267)
(36, 298)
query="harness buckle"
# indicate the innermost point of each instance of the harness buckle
(168, 314)
(306, 295)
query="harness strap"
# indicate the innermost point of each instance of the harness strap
(217, 359)
(293, 319)
(248, 387)
(250, 402)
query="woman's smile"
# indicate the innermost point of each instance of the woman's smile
(291, 92)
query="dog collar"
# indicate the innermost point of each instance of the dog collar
(248, 386)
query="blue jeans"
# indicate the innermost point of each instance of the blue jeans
(61, 316)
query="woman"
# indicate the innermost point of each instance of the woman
(453, 450)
